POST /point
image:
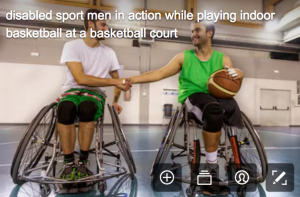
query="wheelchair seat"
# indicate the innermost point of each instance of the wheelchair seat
(191, 118)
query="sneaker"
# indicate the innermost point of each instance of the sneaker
(69, 173)
(82, 169)
(83, 172)
(213, 170)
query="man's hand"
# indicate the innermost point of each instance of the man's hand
(118, 107)
(234, 73)
(123, 84)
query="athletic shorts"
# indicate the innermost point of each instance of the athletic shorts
(232, 114)
(77, 99)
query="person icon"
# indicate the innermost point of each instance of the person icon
(242, 177)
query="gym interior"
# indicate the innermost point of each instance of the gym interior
(267, 52)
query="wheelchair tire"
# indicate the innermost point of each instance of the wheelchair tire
(21, 141)
(261, 168)
(166, 144)
(158, 155)
(28, 136)
(121, 144)
(123, 136)
(259, 145)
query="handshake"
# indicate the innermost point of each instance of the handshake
(124, 84)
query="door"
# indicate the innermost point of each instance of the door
(275, 107)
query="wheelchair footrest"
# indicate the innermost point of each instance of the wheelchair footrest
(73, 190)
(224, 191)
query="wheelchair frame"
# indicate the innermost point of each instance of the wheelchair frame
(45, 179)
(223, 151)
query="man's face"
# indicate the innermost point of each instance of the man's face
(99, 25)
(199, 34)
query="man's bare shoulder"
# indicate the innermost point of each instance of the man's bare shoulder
(180, 57)
(227, 61)
(226, 57)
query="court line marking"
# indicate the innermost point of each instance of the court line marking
(279, 133)
(15, 142)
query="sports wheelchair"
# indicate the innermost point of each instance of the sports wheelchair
(239, 148)
(41, 137)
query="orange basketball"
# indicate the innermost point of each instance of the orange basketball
(222, 86)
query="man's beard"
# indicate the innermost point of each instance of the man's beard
(96, 29)
(201, 42)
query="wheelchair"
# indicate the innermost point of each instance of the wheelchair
(41, 138)
(239, 148)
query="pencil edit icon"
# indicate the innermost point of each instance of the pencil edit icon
(279, 177)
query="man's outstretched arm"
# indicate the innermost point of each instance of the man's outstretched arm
(82, 79)
(172, 68)
(115, 75)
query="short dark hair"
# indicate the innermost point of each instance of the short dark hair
(209, 27)
(86, 19)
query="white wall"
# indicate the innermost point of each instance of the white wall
(26, 88)
(248, 98)
(131, 109)
(158, 99)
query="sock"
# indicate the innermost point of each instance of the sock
(69, 158)
(212, 157)
(83, 155)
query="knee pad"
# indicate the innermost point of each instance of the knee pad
(66, 113)
(87, 111)
(213, 117)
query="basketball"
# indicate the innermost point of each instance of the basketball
(222, 86)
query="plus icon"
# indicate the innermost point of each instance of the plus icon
(165, 176)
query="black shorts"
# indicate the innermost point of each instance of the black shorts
(232, 114)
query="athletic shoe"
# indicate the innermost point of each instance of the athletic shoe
(213, 170)
(83, 172)
(69, 173)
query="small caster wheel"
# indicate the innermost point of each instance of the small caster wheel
(174, 165)
(45, 190)
(191, 191)
(241, 191)
(102, 186)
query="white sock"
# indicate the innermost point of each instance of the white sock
(212, 157)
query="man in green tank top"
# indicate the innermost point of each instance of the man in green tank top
(196, 66)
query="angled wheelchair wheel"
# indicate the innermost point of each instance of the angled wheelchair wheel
(250, 149)
(121, 142)
(123, 137)
(159, 153)
(166, 144)
(22, 140)
(34, 143)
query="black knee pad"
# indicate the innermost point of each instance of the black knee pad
(66, 113)
(213, 117)
(87, 111)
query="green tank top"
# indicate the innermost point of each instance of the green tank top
(195, 73)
